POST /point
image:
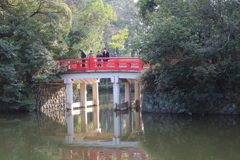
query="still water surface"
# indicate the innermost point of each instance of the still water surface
(101, 133)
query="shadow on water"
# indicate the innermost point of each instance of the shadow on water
(182, 137)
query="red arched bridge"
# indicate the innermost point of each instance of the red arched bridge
(103, 63)
(91, 70)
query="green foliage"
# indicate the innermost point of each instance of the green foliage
(146, 6)
(89, 22)
(126, 19)
(119, 40)
(30, 38)
(196, 55)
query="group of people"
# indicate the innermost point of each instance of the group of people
(100, 54)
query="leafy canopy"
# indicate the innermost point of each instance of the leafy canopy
(119, 40)
(89, 22)
(31, 33)
(194, 46)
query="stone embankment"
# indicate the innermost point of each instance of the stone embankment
(152, 103)
(51, 96)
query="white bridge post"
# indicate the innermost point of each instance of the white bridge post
(84, 120)
(95, 93)
(69, 93)
(96, 119)
(137, 93)
(70, 127)
(116, 91)
(83, 94)
(117, 129)
(129, 122)
(128, 93)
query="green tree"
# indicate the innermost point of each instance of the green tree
(195, 50)
(89, 21)
(119, 40)
(126, 19)
(30, 36)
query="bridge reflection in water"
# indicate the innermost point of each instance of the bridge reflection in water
(88, 134)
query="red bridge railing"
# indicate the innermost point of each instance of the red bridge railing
(95, 154)
(110, 63)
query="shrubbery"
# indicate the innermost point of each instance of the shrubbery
(194, 47)
(188, 88)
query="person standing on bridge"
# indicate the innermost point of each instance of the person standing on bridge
(83, 55)
(105, 54)
(99, 55)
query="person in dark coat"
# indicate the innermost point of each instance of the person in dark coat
(105, 53)
(99, 54)
(83, 55)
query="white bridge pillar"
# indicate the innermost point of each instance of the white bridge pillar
(95, 94)
(117, 129)
(70, 127)
(116, 91)
(129, 122)
(137, 93)
(96, 124)
(84, 120)
(127, 94)
(83, 94)
(69, 93)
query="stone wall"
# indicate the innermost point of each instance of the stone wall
(151, 103)
(51, 96)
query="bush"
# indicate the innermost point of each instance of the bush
(190, 86)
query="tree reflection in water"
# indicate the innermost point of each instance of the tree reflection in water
(182, 137)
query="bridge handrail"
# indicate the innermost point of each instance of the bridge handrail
(103, 63)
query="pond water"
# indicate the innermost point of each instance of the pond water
(100, 133)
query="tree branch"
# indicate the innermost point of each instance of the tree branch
(38, 9)
(6, 4)
(228, 39)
